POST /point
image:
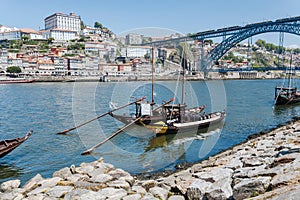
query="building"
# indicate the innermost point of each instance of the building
(62, 21)
(133, 38)
(19, 33)
(60, 35)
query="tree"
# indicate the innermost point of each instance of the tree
(260, 43)
(210, 42)
(50, 40)
(13, 69)
(82, 25)
(98, 25)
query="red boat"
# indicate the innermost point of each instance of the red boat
(9, 81)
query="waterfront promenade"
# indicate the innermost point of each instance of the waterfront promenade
(161, 77)
(266, 166)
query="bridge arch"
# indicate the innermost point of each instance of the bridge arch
(243, 34)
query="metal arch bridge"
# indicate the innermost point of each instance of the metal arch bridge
(236, 34)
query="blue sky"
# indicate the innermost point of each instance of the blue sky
(182, 16)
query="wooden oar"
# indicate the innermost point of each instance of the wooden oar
(119, 131)
(102, 115)
(110, 137)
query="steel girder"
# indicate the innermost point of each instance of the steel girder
(227, 44)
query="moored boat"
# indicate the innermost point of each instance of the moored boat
(171, 118)
(15, 80)
(6, 146)
(288, 93)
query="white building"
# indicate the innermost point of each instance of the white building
(63, 21)
(137, 51)
(60, 34)
(18, 34)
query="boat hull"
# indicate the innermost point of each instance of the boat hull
(190, 126)
(15, 81)
(283, 100)
(6, 146)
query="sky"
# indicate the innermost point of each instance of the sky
(188, 16)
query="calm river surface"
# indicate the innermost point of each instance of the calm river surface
(48, 108)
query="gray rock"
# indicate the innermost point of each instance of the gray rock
(32, 183)
(64, 173)
(91, 195)
(89, 186)
(182, 185)
(248, 172)
(234, 163)
(214, 174)
(101, 178)
(50, 182)
(39, 190)
(77, 177)
(105, 166)
(149, 196)
(159, 192)
(9, 195)
(36, 197)
(220, 189)
(149, 184)
(132, 197)
(284, 179)
(10, 185)
(119, 184)
(197, 189)
(138, 189)
(96, 172)
(76, 194)
(112, 193)
(292, 194)
(59, 191)
(250, 187)
(176, 197)
(122, 175)
(86, 169)
(252, 162)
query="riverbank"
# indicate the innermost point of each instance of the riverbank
(266, 166)
(232, 75)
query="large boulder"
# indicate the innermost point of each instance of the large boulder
(250, 187)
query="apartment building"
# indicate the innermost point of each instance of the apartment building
(62, 21)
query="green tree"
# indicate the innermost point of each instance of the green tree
(82, 25)
(13, 69)
(260, 43)
(50, 40)
(210, 42)
(98, 25)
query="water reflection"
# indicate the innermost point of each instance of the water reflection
(181, 137)
(290, 110)
(9, 171)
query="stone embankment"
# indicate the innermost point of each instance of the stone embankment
(266, 166)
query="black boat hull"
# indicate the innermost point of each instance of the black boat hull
(283, 100)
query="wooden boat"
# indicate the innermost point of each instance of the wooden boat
(287, 95)
(12, 81)
(171, 118)
(189, 121)
(6, 146)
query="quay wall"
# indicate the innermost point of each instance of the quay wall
(164, 77)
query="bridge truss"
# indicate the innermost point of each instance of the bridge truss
(233, 35)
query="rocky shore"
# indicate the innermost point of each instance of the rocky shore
(267, 166)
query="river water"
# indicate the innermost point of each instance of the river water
(48, 108)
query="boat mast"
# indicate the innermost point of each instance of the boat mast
(290, 73)
(152, 75)
(183, 72)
